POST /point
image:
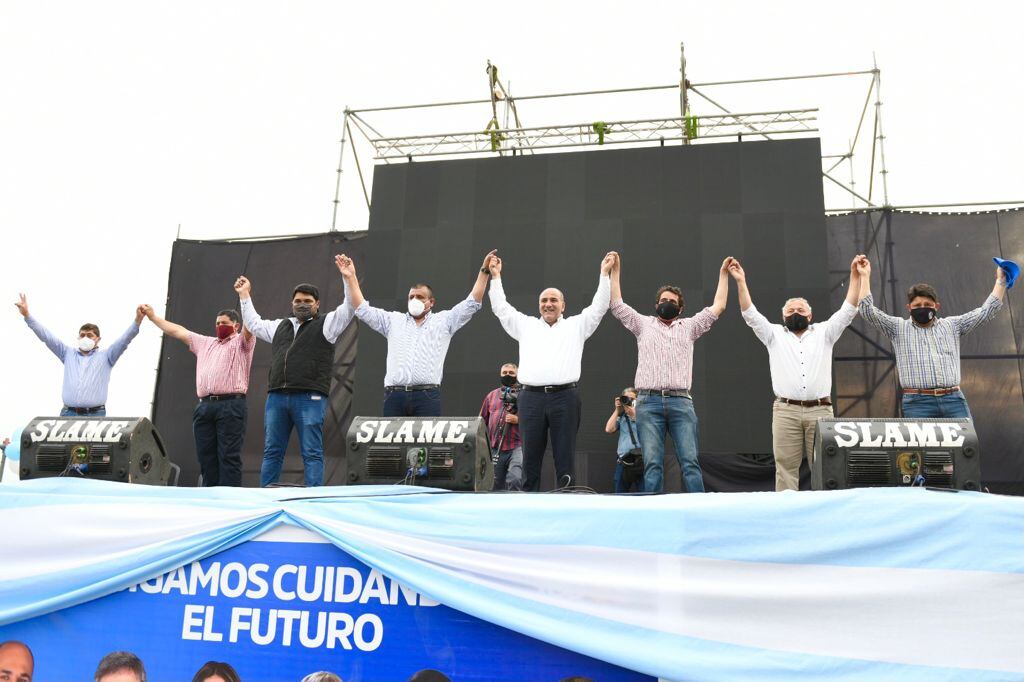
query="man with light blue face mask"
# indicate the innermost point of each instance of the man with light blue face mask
(417, 341)
(87, 367)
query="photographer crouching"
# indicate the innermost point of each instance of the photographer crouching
(629, 467)
(500, 412)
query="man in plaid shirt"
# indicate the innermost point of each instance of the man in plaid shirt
(508, 453)
(927, 347)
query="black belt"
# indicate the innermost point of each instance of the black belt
(407, 389)
(932, 391)
(86, 410)
(222, 396)
(667, 393)
(806, 403)
(551, 389)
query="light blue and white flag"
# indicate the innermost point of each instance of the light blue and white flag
(863, 584)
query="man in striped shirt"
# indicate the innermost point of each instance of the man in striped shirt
(87, 367)
(418, 341)
(664, 373)
(927, 347)
(222, 381)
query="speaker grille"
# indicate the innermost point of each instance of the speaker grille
(441, 462)
(865, 469)
(384, 461)
(938, 469)
(51, 457)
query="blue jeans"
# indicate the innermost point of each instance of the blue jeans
(65, 412)
(949, 406)
(412, 403)
(656, 416)
(304, 411)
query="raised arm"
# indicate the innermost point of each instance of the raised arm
(612, 425)
(722, 292)
(751, 315)
(175, 331)
(885, 323)
(511, 319)
(377, 319)
(121, 344)
(737, 273)
(477, 292)
(616, 284)
(968, 322)
(592, 314)
(260, 328)
(341, 317)
(56, 346)
(853, 290)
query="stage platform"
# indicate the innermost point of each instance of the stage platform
(915, 584)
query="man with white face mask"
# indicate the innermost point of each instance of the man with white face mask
(87, 367)
(417, 341)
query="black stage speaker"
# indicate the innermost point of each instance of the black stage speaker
(439, 452)
(861, 453)
(127, 449)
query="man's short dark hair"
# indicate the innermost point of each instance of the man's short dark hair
(922, 289)
(120, 660)
(231, 314)
(423, 285)
(672, 290)
(307, 289)
(89, 327)
(218, 668)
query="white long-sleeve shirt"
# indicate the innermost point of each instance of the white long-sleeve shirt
(801, 366)
(550, 355)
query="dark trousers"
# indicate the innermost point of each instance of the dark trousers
(412, 403)
(219, 428)
(539, 414)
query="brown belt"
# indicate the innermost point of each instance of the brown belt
(932, 391)
(806, 403)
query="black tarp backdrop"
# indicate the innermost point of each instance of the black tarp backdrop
(674, 213)
(200, 284)
(662, 238)
(953, 252)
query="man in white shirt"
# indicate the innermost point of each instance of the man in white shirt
(550, 358)
(800, 358)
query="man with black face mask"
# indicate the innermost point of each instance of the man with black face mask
(664, 373)
(223, 362)
(499, 412)
(927, 346)
(800, 359)
(300, 375)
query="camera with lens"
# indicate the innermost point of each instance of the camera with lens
(626, 400)
(510, 398)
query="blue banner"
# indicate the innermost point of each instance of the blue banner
(278, 610)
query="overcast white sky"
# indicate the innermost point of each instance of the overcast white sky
(120, 121)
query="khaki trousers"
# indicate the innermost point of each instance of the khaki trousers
(793, 439)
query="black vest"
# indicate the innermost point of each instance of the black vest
(301, 361)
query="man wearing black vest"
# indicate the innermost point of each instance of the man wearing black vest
(300, 376)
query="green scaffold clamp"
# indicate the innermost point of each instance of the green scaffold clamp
(690, 123)
(601, 128)
(495, 134)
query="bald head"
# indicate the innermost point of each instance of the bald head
(552, 305)
(16, 662)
